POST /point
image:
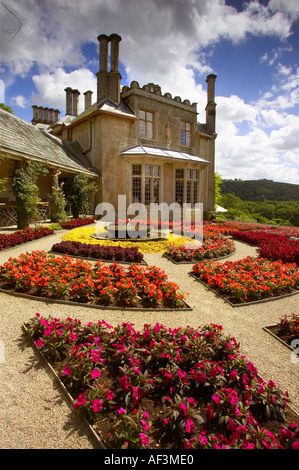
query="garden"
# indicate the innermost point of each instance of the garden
(170, 388)
(180, 388)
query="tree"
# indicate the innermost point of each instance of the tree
(23, 181)
(217, 189)
(80, 192)
(6, 108)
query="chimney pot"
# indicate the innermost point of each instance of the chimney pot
(88, 99)
(75, 94)
(69, 101)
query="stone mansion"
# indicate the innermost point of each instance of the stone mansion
(133, 140)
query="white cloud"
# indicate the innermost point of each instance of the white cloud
(50, 87)
(20, 101)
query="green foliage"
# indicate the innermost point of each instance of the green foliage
(6, 108)
(80, 191)
(268, 212)
(23, 184)
(217, 189)
(57, 202)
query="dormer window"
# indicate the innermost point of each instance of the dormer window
(146, 124)
(185, 133)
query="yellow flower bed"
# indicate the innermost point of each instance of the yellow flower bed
(83, 235)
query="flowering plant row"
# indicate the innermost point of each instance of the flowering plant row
(165, 388)
(44, 275)
(248, 279)
(73, 223)
(288, 327)
(272, 245)
(23, 236)
(83, 235)
(213, 246)
(107, 253)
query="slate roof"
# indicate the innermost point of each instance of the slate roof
(19, 138)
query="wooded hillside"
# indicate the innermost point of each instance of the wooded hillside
(260, 190)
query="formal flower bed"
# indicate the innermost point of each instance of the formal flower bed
(106, 253)
(83, 235)
(23, 236)
(272, 244)
(45, 275)
(213, 246)
(73, 223)
(287, 329)
(165, 388)
(249, 279)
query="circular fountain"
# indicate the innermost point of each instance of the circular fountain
(132, 233)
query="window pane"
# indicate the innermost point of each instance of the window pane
(179, 173)
(147, 191)
(189, 174)
(136, 190)
(156, 171)
(188, 126)
(142, 128)
(195, 174)
(188, 138)
(195, 192)
(179, 191)
(182, 125)
(147, 170)
(149, 116)
(182, 137)
(188, 195)
(149, 130)
(156, 191)
(141, 114)
(136, 169)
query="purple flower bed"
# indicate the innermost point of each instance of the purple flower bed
(107, 253)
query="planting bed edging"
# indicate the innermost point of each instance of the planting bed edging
(268, 330)
(253, 302)
(61, 385)
(102, 307)
(165, 255)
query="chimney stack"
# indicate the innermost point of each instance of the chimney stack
(211, 105)
(69, 101)
(75, 94)
(109, 81)
(88, 99)
(43, 115)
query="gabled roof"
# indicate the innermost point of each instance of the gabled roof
(18, 138)
(160, 152)
(106, 106)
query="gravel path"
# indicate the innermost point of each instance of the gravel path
(34, 412)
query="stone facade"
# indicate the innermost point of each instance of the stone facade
(146, 145)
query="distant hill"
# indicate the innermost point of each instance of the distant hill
(260, 190)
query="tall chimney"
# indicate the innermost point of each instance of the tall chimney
(109, 81)
(211, 105)
(115, 40)
(69, 101)
(88, 99)
(75, 94)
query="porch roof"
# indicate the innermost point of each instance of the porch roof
(160, 152)
(19, 139)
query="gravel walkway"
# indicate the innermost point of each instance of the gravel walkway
(34, 412)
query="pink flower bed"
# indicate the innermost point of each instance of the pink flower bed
(165, 388)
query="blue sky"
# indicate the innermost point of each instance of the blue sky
(251, 46)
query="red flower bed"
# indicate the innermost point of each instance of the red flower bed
(64, 278)
(181, 388)
(272, 245)
(249, 279)
(74, 223)
(213, 246)
(23, 236)
(106, 253)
